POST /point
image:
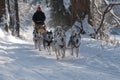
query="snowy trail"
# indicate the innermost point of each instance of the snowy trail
(20, 61)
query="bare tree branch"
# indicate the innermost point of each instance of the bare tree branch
(115, 17)
(109, 7)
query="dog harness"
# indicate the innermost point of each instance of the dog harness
(49, 42)
(73, 42)
(61, 46)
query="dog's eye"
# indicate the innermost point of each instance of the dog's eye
(62, 39)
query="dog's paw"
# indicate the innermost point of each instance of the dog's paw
(36, 48)
(39, 49)
(71, 54)
(57, 58)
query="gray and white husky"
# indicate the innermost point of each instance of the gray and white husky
(60, 44)
(74, 43)
(37, 39)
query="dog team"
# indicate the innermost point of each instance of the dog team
(56, 41)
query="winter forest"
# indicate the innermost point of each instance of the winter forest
(78, 40)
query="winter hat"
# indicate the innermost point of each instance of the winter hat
(39, 8)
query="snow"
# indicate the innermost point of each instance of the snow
(19, 60)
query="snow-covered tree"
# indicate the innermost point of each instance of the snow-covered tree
(9, 16)
(104, 16)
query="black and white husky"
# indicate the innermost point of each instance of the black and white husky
(60, 43)
(74, 43)
(37, 38)
(48, 41)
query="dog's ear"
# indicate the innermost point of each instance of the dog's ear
(75, 34)
(51, 31)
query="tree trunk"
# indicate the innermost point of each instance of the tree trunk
(3, 18)
(2, 15)
(17, 27)
(79, 9)
(11, 11)
(2, 9)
